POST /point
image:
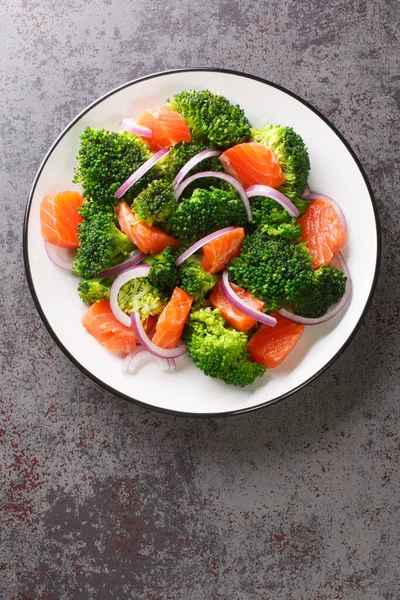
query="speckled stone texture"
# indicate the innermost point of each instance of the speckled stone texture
(103, 500)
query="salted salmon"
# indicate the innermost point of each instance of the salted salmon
(59, 218)
(322, 231)
(234, 317)
(269, 346)
(172, 319)
(219, 252)
(100, 322)
(146, 238)
(253, 163)
(167, 127)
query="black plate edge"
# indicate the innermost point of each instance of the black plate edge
(144, 404)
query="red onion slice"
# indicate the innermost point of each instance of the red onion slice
(269, 192)
(334, 310)
(124, 277)
(201, 243)
(133, 259)
(193, 162)
(133, 362)
(225, 177)
(141, 171)
(240, 305)
(133, 127)
(144, 339)
(61, 257)
(335, 205)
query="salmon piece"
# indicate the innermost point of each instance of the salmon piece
(232, 315)
(100, 322)
(219, 252)
(253, 163)
(146, 238)
(172, 319)
(269, 346)
(59, 218)
(167, 126)
(322, 231)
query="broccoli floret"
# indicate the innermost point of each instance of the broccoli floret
(272, 268)
(164, 273)
(219, 351)
(105, 160)
(211, 118)
(95, 290)
(139, 295)
(288, 231)
(291, 153)
(204, 212)
(156, 203)
(180, 154)
(327, 287)
(194, 280)
(101, 243)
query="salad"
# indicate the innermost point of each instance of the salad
(196, 233)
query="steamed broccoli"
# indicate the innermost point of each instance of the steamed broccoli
(194, 280)
(139, 295)
(204, 212)
(327, 287)
(180, 154)
(95, 290)
(267, 211)
(211, 118)
(164, 273)
(292, 155)
(101, 243)
(105, 160)
(219, 351)
(272, 268)
(156, 203)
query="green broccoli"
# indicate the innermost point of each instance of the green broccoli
(156, 203)
(140, 295)
(204, 212)
(164, 273)
(327, 287)
(272, 268)
(105, 160)
(101, 243)
(194, 280)
(180, 154)
(211, 118)
(292, 155)
(95, 290)
(288, 231)
(266, 211)
(219, 351)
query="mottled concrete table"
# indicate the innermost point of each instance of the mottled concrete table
(101, 499)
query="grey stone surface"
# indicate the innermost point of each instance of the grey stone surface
(100, 499)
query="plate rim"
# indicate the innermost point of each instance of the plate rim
(145, 404)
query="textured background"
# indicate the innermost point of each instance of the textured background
(103, 500)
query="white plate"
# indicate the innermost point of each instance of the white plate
(335, 171)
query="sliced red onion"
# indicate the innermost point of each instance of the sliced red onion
(144, 339)
(334, 310)
(269, 192)
(133, 259)
(141, 171)
(201, 243)
(225, 177)
(61, 257)
(133, 362)
(335, 205)
(193, 162)
(124, 277)
(133, 127)
(307, 192)
(241, 305)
